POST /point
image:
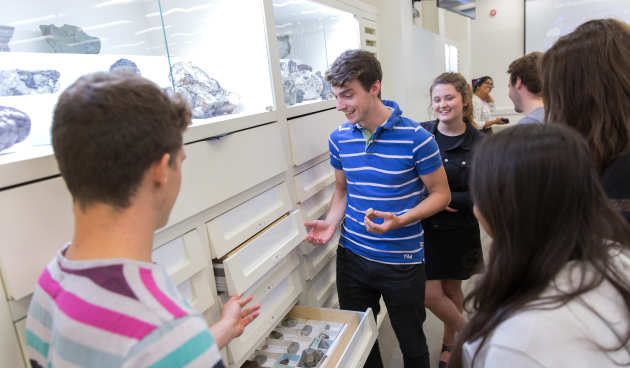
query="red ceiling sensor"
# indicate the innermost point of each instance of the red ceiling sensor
(493, 12)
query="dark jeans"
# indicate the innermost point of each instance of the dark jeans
(360, 284)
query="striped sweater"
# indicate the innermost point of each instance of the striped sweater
(114, 313)
(384, 174)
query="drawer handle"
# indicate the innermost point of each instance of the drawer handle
(216, 137)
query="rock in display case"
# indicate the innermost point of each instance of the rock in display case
(310, 36)
(213, 52)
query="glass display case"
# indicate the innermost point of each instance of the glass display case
(213, 52)
(310, 36)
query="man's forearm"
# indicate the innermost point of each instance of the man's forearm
(432, 204)
(337, 209)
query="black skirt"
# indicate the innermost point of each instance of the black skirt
(450, 252)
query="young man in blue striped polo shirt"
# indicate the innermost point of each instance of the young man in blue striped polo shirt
(389, 176)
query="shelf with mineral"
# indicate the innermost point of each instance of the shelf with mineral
(310, 36)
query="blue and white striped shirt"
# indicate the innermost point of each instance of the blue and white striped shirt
(384, 176)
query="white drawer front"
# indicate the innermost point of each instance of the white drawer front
(232, 228)
(314, 180)
(199, 290)
(10, 353)
(307, 248)
(317, 205)
(319, 256)
(322, 286)
(183, 257)
(263, 253)
(20, 327)
(36, 220)
(358, 349)
(309, 134)
(273, 307)
(218, 169)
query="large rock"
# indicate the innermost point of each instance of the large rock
(6, 32)
(70, 39)
(18, 82)
(300, 84)
(15, 126)
(125, 66)
(204, 94)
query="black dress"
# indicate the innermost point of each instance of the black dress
(452, 243)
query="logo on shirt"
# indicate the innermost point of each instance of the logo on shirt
(408, 256)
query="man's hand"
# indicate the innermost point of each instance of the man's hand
(234, 319)
(390, 221)
(320, 232)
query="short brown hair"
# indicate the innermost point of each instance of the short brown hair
(527, 68)
(108, 128)
(587, 86)
(355, 64)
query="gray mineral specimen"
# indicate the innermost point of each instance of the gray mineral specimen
(289, 322)
(300, 83)
(125, 66)
(70, 39)
(306, 330)
(284, 46)
(204, 94)
(275, 335)
(23, 82)
(15, 126)
(6, 32)
(293, 348)
(310, 358)
(323, 344)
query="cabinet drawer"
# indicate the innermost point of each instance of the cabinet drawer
(309, 134)
(273, 307)
(217, 169)
(10, 352)
(323, 285)
(199, 290)
(313, 180)
(232, 228)
(35, 222)
(317, 205)
(319, 256)
(20, 328)
(248, 263)
(182, 257)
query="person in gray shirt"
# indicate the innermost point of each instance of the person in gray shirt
(525, 88)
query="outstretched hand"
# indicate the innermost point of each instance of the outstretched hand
(390, 221)
(234, 319)
(320, 232)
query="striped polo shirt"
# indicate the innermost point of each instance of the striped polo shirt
(114, 313)
(384, 175)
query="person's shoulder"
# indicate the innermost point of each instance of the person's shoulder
(428, 125)
(343, 129)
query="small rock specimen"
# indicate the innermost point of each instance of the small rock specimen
(15, 126)
(289, 322)
(323, 344)
(300, 83)
(6, 32)
(18, 82)
(293, 347)
(204, 94)
(306, 330)
(275, 335)
(310, 358)
(125, 66)
(284, 46)
(70, 39)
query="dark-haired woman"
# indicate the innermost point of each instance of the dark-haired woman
(587, 86)
(556, 290)
(452, 245)
(484, 103)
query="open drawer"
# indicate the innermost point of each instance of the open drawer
(237, 225)
(313, 180)
(321, 288)
(276, 293)
(352, 344)
(253, 259)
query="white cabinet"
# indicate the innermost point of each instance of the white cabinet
(309, 134)
(322, 287)
(313, 180)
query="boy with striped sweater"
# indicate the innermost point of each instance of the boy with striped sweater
(102, 302)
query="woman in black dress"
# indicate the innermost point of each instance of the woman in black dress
(452, 244)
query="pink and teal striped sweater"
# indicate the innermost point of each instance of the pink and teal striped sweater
(114, 313)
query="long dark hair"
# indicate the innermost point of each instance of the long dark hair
(460, 84)
(538, 190)
(587, 86)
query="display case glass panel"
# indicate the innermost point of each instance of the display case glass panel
(310, 36)
(219, 56)
(46, 45)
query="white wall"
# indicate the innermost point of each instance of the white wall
(495, 42)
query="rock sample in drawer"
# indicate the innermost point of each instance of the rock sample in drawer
(15, 126)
